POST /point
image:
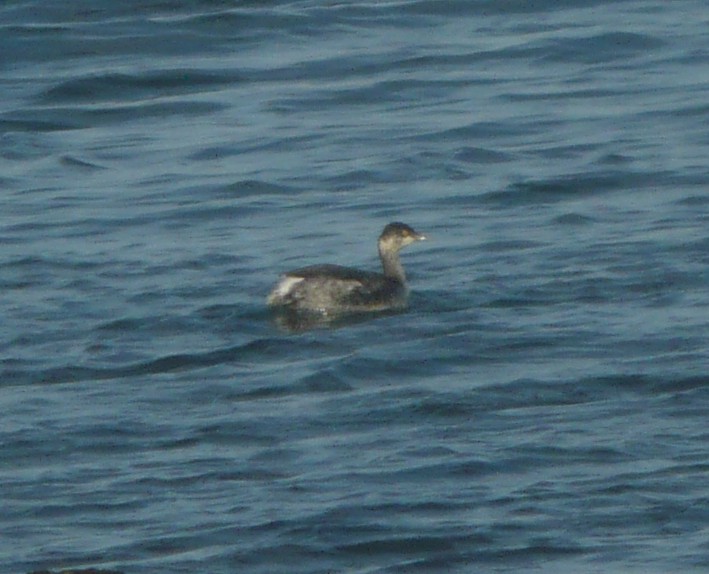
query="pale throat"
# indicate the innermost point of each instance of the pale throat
(391, 262)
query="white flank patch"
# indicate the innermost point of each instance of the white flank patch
(283, 288)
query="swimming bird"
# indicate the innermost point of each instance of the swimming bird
(334, 290)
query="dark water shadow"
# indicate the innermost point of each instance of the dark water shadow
(292, 321)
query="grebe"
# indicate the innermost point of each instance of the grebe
(334, 290)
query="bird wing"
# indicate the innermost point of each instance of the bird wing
(336, 272)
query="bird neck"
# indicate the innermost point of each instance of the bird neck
(392, 264)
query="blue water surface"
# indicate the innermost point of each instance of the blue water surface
(541, 406)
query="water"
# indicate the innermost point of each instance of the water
(541, 406)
